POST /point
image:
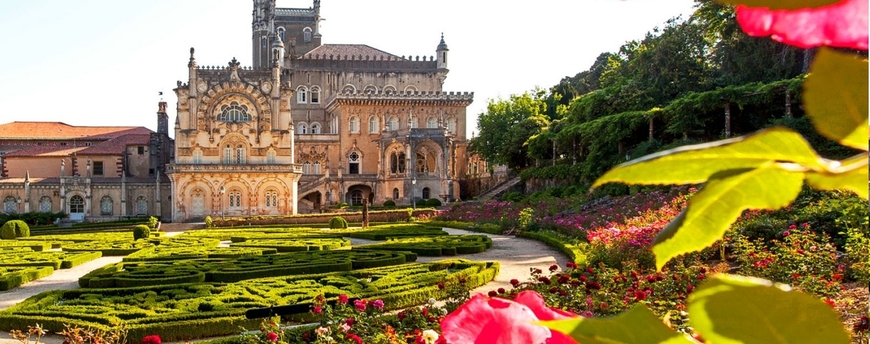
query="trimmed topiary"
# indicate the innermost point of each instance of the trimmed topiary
(14, 229)
(389, 203)
(433, 202)
(209, 223)
(337, 222)
(141, 232)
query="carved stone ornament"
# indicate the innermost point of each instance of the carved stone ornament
(266, 86)
(201, 86)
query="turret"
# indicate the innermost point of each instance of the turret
(162, 119)
(441, 53)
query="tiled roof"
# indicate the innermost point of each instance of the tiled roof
(117, 145)
(43, 151)
(350, 50)
(60, 130)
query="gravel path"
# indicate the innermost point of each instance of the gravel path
(516, 256)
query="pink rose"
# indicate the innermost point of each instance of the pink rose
(497, 320)
(272, 336)
(843, 24)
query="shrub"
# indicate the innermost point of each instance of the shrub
(514, 196)
(341, 205)
(209, 223)
(389, 203)
(141, 232)
(420, 203)
(13, 229)
(337, 222)
(152, 222)
(433, 202)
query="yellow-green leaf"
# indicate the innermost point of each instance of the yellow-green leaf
(835, 97)
(851, 176)
(638, 325)
(718, 204)
(781, 4)
(736, 309)
(696, 163)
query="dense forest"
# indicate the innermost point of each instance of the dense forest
(693, 80)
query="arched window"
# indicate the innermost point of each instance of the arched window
(106, 205)
(451, 125)
(315, 128)
(234, 113)
(412, 121)
(315, 95)
(235, 200)
(306, 168)
(401, 162)
(240, 155)
(394, 163)
(354, 125)
(393, 123)
(353, 160)
(197, 156)
(263, 42)
(390, 89)
(425, 193)
(306, 34)
(356, 197)
(396, 193)
(410, 89)
(271, 198)
(431, 123)
(370, 89)
(270, 156)
(315, 168)
(302, 129)
(45, 204)
(301, 95)
(141, 205)
(373, 125)
(10, 204)
(422, 166)
(348, 89)
(76, 204)
(228, 155)
(281, 32)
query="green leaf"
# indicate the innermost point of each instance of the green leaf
(720, 202)
(851, 176)
(637, 325)
(696, 163)
(835, 97)
(781, 4)
(736, 309)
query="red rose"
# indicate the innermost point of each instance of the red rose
(342, 298)
(152, 339)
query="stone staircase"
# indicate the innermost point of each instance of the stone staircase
(311, 185)
(498, 189)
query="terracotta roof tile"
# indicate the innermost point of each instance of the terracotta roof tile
(117, 145)
(37, 151)
(350, 50)
(60, 130)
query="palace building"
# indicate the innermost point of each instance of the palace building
(310, 124)
(304, 126)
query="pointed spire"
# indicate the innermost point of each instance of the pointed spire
(192, 62)
(442, 45)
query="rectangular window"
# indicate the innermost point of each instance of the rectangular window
(98, 168)
(141, 149)
(353, 168)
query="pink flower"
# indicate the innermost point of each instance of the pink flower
(356, 339)
(360, 305)
(152, 339)
(318, 309)
(843, 24)
(497, 320)
(272, 336)
(342, 298)
(379, 304)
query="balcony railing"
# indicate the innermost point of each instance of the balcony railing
(175, 168)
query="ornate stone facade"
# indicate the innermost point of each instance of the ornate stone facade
(314, 124)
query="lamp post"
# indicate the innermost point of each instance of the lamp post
(414, 193)
(223, 191)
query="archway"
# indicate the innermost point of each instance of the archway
(357, 193)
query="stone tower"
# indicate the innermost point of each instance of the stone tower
(298, 29)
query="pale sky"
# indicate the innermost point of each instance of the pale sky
(103, 62)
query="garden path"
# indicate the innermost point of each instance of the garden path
(516, 256)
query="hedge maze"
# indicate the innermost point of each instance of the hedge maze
(192, 286)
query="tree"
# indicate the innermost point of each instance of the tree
(507, 125)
